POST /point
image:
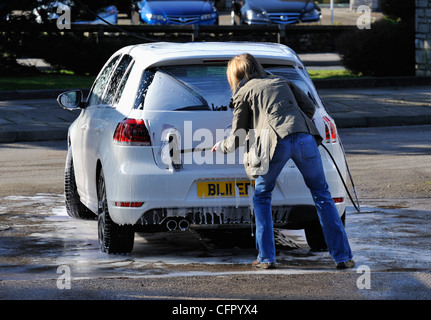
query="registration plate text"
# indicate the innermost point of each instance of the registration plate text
(223, 188)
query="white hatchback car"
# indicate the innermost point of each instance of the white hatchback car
(139, 153)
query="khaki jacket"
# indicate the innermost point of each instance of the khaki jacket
(265, 111)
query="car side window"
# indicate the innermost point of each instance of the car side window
(290, 74)
(99, 85)
(147, 79)
(117, 81)
(123, 83)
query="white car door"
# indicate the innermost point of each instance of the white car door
(86, 140)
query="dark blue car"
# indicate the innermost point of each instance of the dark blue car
(178, 12)
(274, 11)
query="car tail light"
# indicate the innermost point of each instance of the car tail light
(132, 132)
(338, 200)
(331, 134)
(128, 204)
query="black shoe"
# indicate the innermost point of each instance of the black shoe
(345, 265)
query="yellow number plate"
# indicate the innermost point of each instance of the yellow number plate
(223, 188)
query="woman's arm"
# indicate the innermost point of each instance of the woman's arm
(304, 102)
(240, 121)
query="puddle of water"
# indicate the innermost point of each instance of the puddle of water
(42, 236)
(390, 237)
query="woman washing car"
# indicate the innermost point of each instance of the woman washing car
(282, 111)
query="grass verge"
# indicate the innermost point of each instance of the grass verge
(46, 81)
(331, 74)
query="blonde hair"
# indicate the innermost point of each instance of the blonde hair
(243, 66)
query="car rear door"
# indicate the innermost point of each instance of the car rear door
(99, 120)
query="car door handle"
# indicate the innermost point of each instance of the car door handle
(84, 127)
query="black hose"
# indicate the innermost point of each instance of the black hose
(355, 203)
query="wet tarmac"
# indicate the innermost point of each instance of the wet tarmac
(37, 237)
(40, 244)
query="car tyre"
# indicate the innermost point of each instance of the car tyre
(314, 235)
(113, 238)
(74, 206)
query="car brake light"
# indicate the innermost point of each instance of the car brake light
(338, 200)
(132, 132)
(330, 130)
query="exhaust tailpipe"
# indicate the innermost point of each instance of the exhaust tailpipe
(183, 225)
(171, 225)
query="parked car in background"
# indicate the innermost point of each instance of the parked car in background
(274, 11)
(178, 12)
(139, 153)
(79, 15)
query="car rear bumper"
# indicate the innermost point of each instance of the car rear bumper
(145, 194)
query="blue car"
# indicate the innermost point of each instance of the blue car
(177, 12)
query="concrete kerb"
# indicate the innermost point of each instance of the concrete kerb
(368, 82)
(382, 121)
(33, 134)
(34, 94)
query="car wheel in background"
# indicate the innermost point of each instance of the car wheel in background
(314, 234)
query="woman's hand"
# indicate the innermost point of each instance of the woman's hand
(216, 147)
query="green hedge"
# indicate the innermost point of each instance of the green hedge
(79, 53)
(387, 49)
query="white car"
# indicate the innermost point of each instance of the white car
(139, 153)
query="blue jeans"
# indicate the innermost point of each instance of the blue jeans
(302, 148)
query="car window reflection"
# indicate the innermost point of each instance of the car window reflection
(99, 86)
(161, 91)
(116, 79)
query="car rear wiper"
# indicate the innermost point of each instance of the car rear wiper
(195, 150)
(194, 108)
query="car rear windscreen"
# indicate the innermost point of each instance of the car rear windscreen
(195, 87)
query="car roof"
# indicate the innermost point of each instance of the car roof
(167, 53)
